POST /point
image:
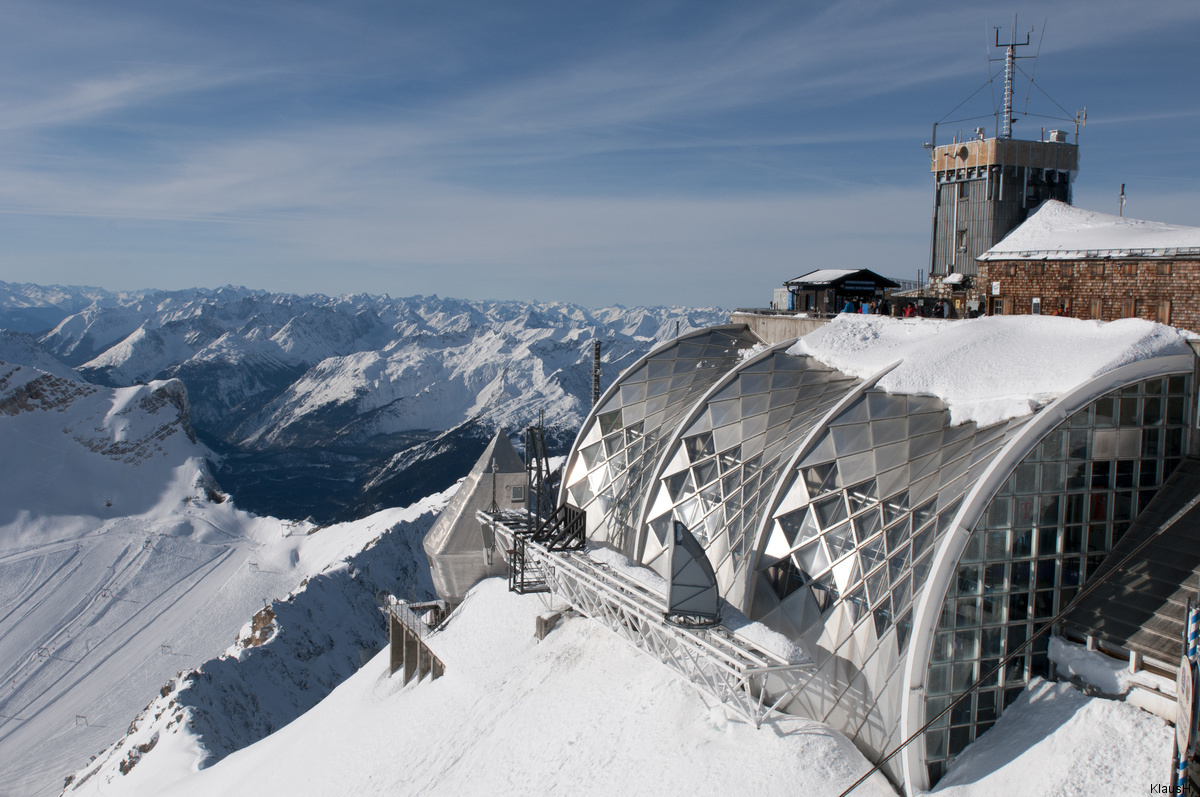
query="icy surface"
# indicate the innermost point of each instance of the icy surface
(1059, 230)
(986, 369)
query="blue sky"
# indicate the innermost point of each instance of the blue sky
(641, 153)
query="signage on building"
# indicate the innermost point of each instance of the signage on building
(858, 285)
(995, 289)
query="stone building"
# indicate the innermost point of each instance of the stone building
(1096, 266)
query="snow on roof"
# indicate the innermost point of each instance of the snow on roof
(825, 275)
(1058, 230)
(990, 369)
(953, 279)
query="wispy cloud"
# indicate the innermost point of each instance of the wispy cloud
(651, 134)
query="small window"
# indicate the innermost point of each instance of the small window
(1097, 309)
(517, 493)
(1128, 308)
(961, 240)
(963, 189)
(1164, 312)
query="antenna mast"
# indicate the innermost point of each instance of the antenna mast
(1010, 58)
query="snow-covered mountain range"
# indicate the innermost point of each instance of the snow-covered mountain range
(336, 407)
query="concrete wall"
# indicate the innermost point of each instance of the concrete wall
(778, 328)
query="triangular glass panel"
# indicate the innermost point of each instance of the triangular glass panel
(889, 430)
(754, 425)
(924, 513)
(657, 368)
(778, 546)
(831, 510)
(877, 586)
(755, 383)
(812, 558)
(613, 444)
(789, 526)
(861, 495)
(754, 405)
(898, 533)
(821, 478)
(609, 421)
(885, 405)
(926, 423)
(705, 472)
(698, 446)
(591, 455)
(851, 439)
(633, 392)
(820, 452)
(855, 414)
(839, 540)
(894, 507)
(728, 459)
(868, 523)
(676, 485)
(726, 438)
(872, 552)
(846, 573)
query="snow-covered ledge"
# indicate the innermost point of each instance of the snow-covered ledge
(1113, 677)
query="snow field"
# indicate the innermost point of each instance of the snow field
(581, 712)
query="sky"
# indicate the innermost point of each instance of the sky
(640, 153)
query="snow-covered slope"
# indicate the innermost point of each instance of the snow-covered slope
(20, 348)
(288, 657)
(121, 563)
(582, 712)
(1056, 741)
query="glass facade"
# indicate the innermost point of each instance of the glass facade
(827, 507)
(850, 545)
(722, 470)
(612, 463)
(1042, 535)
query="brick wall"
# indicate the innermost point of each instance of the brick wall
(1161, 290)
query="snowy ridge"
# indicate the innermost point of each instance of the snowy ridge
(286, 659)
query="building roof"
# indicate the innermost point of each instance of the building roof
(1058, 231)
(833, 276)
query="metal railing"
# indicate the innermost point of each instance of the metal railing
(750, 680)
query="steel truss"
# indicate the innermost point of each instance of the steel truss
(749, 680)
